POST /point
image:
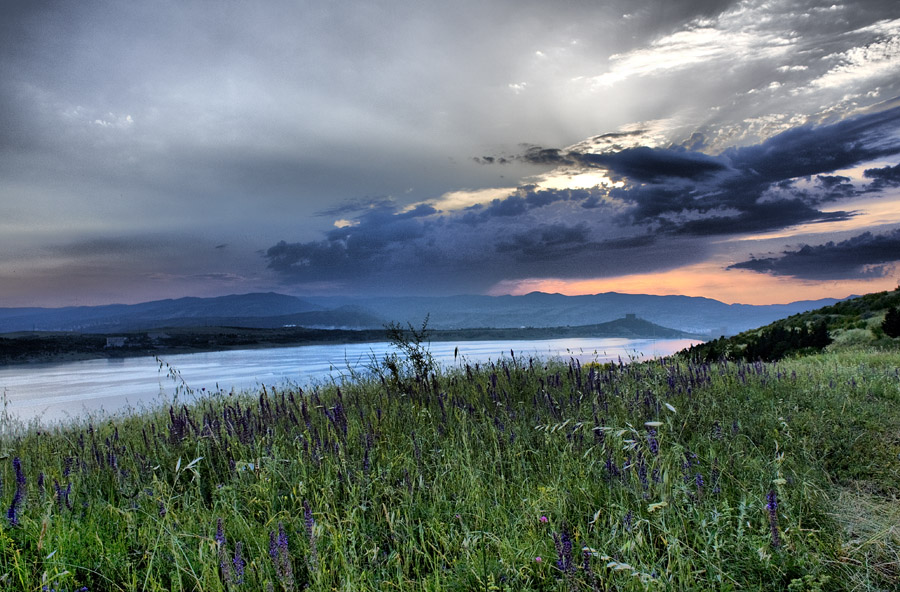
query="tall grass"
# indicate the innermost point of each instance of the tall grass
(516, 475)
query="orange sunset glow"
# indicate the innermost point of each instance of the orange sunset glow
(733, 286)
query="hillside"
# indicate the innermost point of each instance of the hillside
(851, 322)
(538, 310)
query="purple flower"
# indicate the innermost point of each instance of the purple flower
(309, 522)
(563, 542)
(12, 514)
(20, 474)
(238, 563)
(772, 507)
(279, 552)
(652, 442)
(220, 548)
(220, 533)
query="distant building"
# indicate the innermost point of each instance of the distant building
(116, 341)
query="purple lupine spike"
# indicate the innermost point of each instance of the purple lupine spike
(309, 523)
(652, 442)
(273, 545)
(279, 552)
(772, 507)
(282, 539)
(12, 514)
(20, 474)
(238, 563)
(563, 543)
(224, 565)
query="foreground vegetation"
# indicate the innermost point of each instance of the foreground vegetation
(518, 475)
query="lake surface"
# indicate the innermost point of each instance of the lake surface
(53, 392)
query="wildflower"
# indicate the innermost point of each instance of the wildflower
(238, 563)
(12, 514)
(544, 519)
(772, 507)
(309, 523)
(279, 552)
(220, 548)
(563, 542)
(538, 559)
(652, 442)
(220, 533)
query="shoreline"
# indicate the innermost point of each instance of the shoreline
(59, 348)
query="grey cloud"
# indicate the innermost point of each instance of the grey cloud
(863, 256)
(351, 206)
(882, 178)
(446, 251)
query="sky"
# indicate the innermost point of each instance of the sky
(747, 151)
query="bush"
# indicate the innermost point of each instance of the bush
(891, 323)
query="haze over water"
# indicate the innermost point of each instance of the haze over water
(53, 392)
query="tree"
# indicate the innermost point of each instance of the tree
(891, 323)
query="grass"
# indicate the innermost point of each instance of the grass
(518, 475)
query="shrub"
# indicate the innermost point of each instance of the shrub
(891, 323)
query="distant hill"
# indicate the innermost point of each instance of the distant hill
(270, 310)
(855, 321)
(179, 312)
(538, 309)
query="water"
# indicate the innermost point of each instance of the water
(53, 392)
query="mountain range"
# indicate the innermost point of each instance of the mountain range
(537, 309)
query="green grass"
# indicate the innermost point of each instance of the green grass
(461, 481)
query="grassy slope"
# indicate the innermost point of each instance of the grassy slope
(515, 476)
(854, 322)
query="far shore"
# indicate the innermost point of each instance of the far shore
(61, 347)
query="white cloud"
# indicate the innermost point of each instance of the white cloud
(735, 36)
(877, 59)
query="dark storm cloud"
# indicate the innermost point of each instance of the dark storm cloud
(686, 192)
(882, 178)
(671, 196)
(642, 164)
(530, 197)
(863, 256)
(449, 251)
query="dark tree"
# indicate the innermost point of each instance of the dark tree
(891, 323)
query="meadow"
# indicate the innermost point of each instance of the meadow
(517, 475)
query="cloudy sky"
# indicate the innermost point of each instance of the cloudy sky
(746, 151)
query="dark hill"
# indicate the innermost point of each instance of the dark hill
(853, 321)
